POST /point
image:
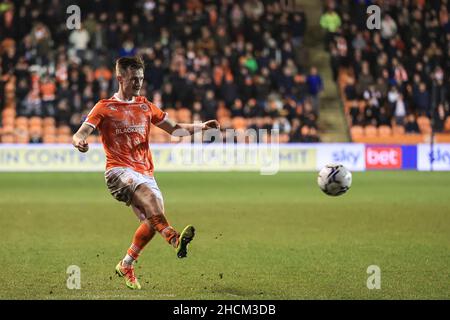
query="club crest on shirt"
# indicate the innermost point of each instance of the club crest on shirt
(111, 107)
(144, 107)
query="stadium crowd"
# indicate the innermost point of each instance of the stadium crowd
(241, 62)
(397, 77)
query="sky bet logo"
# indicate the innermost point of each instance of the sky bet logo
(343, 156)
(440, 156)
(383, 157)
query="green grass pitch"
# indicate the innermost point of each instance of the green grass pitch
(258, 237)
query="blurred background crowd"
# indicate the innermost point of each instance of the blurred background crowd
(395, 79)
(241, 62)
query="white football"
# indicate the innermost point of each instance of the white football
(334, 179)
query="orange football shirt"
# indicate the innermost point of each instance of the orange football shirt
(125, 128)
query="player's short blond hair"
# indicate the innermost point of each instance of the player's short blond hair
(134, 63)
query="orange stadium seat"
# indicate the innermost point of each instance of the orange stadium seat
(442, 137)
(63, 138)
(49, 138)
(370, 131)
(92, 139)
(172, 113)
(22, 127)
(384, 131)
(356, 133)
(10, 87)
(49, 130)
(49, 121)
(424, 124)
(225, 122)
(22, 139)
(222, 111)
(398, 130)
(184, 115)
(21, 121)
(8, 129)
(9, 112)
(21, 134)
(64, 130)
(284, 138)
(8, 121)
(447, 125)
(239, 123)
(7, 138)
(35, 121)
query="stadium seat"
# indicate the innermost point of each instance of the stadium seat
(8, 129)
(384, 131)
(21, 121)
(35, 130)
(172, 113)
(49, 138)
(442, 138)
(7, 138)
(92, 139)
(398, 130)
(35, 121)
(22, 138)
(424, 124)
(22, 127)
(356, 132)
(184, 115)
(9, 112)
(10, 87)
(370, 131)
(63, 138)
(239, 123)
(225, 122)
(49, 121)
(64, 130)
(222, 111)
(49, 130)
(447, 125)
(8, 121)
(284, 138)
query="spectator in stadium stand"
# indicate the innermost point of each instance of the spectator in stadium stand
(400, 110)
(383, 118)
(411, 125)
(315, 86)
(298, 27)
(48, 90)
(422, 100)
(354, 114)
(388, 27)
(330, 21)
(439, 118)
(295, 133)
(439, 91)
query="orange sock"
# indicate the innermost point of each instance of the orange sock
(160, 224)
(142, 236)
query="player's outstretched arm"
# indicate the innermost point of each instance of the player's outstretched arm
(79, 138)
(187, 129)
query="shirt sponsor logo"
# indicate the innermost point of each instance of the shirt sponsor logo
(131, 129)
